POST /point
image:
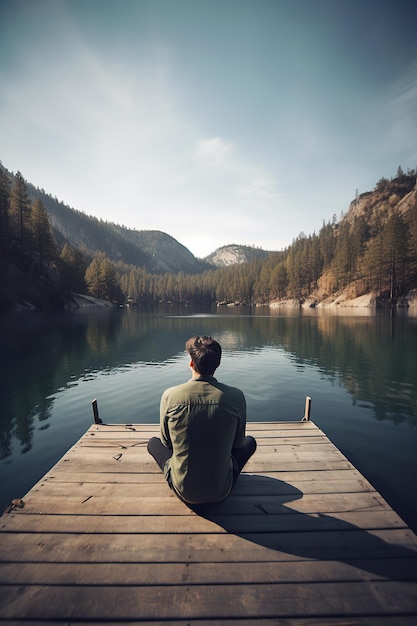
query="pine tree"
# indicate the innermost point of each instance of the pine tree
(373, 270)
(395, 244)
(93, 277)
(20, 209)
(278, 282)
(73, 269)
(101, 278)
(43, 243)
(4, 212)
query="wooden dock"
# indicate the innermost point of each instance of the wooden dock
(304, 539)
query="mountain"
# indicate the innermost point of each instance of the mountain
(389, 196)
(234, 254)
(153, 250)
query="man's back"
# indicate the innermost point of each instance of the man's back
(202, 420)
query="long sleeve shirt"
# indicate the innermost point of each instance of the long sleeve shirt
(202, 420)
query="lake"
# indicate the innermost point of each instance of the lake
(359, 368)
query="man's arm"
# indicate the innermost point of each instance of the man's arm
(241, 428)
(163, 422)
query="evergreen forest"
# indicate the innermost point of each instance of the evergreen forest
(371, 249)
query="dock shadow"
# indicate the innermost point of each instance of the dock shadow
(257, 510)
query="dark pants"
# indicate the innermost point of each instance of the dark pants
(241, 455)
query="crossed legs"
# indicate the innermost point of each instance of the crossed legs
(241, 455)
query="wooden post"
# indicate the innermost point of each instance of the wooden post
(307, 410)
(97, 419)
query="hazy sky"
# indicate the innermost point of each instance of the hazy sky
(215, 121)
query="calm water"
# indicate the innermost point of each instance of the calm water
(360, 370)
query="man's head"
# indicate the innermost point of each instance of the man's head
(205, 353)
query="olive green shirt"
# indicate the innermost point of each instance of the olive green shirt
(202, 420)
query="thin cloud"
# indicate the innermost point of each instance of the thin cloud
(212, 151)
(400, 113)
(237, 178)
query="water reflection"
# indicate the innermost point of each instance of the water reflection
(374, 358)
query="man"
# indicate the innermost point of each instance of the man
(203, 447)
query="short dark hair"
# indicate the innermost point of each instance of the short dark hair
(205, 353)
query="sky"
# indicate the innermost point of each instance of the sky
(215, 121)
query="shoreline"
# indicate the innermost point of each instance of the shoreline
(343, 301)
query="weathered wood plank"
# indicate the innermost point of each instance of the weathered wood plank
(262, 429)
(168, 504)
(192, 523)
(104, 475)
(118, 461)
(368, 620)
(201, 601)
(140, 547)
(104, 451)
(297, 426)
(263, 437)
(201, 573)
(246, 485)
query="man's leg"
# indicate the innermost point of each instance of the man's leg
(242, 455)
(160, 453)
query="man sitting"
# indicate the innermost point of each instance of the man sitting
(203, 422)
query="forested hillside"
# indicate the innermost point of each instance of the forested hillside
(153, 250)
(49, 251)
